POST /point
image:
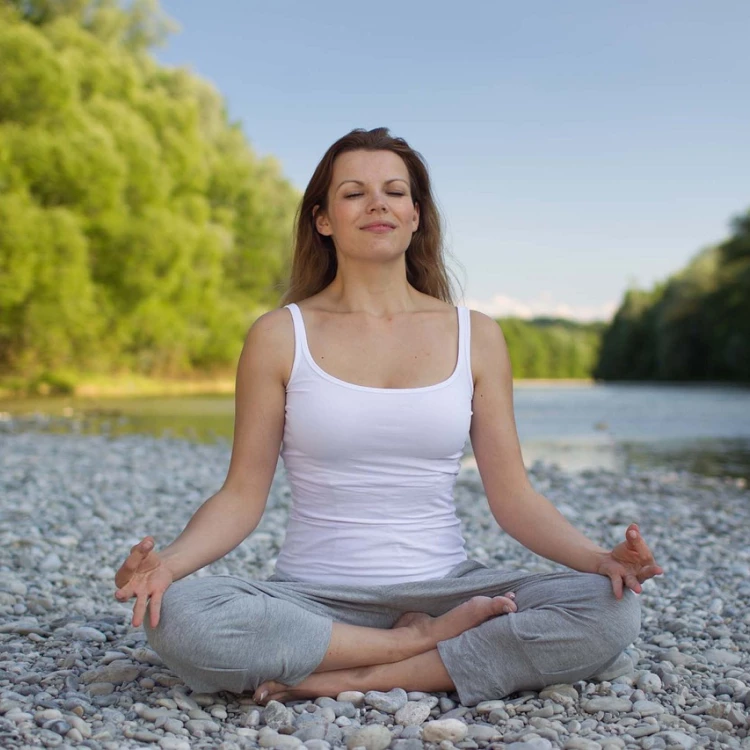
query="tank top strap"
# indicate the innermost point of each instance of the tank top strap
(464, 344)
(299, 336)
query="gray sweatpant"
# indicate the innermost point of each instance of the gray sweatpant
(226, 633)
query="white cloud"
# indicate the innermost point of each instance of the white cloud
(500, 305)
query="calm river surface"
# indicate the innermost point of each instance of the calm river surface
(705, 429)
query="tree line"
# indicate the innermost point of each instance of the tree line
(694, 326)
(138, 230)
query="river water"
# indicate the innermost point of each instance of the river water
(705, 429)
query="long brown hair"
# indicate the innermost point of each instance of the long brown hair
(314, 263)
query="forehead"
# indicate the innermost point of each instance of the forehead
(367, 166)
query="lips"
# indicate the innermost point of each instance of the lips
(379, 226)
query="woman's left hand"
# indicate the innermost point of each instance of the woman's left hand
(630, 562)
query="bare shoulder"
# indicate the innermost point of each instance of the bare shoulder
(489, 352)
(270, 342)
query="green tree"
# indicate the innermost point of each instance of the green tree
(137, 227)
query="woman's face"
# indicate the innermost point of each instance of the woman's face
(371, 214)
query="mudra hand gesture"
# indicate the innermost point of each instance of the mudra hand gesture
(146, 576)
(630, 562)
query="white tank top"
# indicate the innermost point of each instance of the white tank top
(372, 472)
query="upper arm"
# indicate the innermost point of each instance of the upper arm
(260, 398)
(494, 437)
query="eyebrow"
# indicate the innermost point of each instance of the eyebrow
(359, 182)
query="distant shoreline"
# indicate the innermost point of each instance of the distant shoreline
(139, 386)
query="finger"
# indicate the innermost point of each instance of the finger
(649, 572)
(139, 610)
(632, 583)
(637, 543)
(616, 585)
(134, 559)
(124, 593)
(155, 607)
(509, 606)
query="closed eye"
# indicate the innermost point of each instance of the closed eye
(356, 195)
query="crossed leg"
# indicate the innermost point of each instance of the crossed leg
(568, 626)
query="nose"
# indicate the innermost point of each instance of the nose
(377, 203)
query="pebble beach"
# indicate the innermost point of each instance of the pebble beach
(75, 673)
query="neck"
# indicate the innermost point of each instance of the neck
(376, 288)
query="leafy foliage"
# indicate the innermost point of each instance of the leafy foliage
(137, 228)
(551, 348)
(696, 326)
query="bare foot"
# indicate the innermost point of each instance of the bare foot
(459, 619)
(277, 691)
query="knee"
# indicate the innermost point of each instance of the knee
(617, 622)
(176, 621)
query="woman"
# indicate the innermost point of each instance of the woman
(373, 380)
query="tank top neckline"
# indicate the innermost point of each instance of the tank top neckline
(373, 389)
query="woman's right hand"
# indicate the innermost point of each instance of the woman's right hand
(146, 576)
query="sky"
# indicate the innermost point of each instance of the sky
(577, 148)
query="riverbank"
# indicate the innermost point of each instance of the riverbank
(72, 669)
(99, 386)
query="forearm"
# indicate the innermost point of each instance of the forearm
(215, 529)
(534, 521)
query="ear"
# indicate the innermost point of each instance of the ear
(415, 219)
(321, 221)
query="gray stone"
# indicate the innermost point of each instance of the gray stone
(51, 562)
(581, 743)
(533, 744)
(116, 673)
(486, 707)
(389, 702)
(372, 737)
(559, 693)
(194, 726)
(483, 733)
(407, 744)
(100, 688)
(444, 729)
(648, 708)
(648, 682)
(276, 715)
(614, 705)
(413, 713)
(680, 739)
(173, 743)
(351, 696)
(317, 745)
(271, 738)
(311, 731)
(89, 634)
(722, 657)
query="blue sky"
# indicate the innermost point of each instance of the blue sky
(576, 147)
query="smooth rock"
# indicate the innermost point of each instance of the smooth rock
(444, 729)
(680, 739)
(559, 693)
(389, 702)
(372, 737)
(722, 657)
(413, 713)
(649, 682)
(351, 696)
(648, 708)
(483, 733)
(581, 743)
(277, 715)
(614, 705)
(271, 738)
(116, 673)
